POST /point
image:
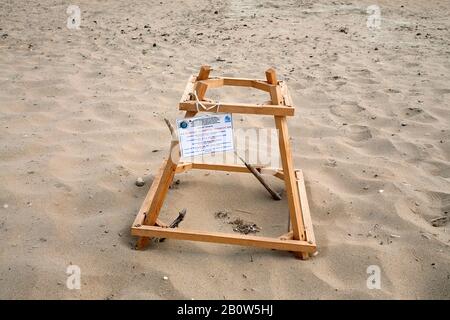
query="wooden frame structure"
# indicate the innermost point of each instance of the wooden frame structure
(300, 239)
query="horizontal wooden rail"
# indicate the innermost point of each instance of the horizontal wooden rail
(217, 237)
(185, 166)
(258, 109)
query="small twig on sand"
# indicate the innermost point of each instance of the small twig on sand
(173, 133)
(243, 211)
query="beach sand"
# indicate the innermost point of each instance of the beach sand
(81, 117)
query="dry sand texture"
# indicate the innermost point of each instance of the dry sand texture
(81, 118)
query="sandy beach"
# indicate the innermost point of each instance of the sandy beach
(81, 118)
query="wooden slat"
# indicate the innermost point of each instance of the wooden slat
(161, 191)
(310, 238)
(182, 167)
(279, 175)
(231, 168)
(204, 72)
(201, 89)
(275, 95)
(275, 92)
(214, 82)
(295, 208)
(221, 167)
(241, 108)
(238, 82)
(261, 85)
(188, 89)
(271, 76)
(286, 95)
(155, 199)
(216, 237)
(145, 207)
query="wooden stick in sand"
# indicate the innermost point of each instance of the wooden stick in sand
(275, 195)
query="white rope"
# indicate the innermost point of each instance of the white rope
(198, 102)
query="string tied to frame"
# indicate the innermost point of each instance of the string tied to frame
(199, 103)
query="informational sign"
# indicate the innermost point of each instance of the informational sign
(207, 134)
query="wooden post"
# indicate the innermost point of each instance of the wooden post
(201, 90)
(159, 189)
(295, 209)
(204, 72)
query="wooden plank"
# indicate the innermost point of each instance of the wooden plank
(216, 237)
(310, 238)
(188, 89)
(279, 175)
(261, 85)
(241, 108)
(229, 168)
(201, 90)
(286, 95)
(275, 92)
(139, 220)
(275, 95)
(157, 199)
(250, 83)
(295, 209)
(238, 82)
(221, 167)
(182, 167)
(214, 82)
(271, 76)
(204, 72)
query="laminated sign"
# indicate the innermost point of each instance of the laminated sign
(205, 134)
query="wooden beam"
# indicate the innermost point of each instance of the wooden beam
(295, 208)
(287, 99)
(183, 167)
(217, 237)
(214, 82)
(158, 191)
(221, 167)
(204, 72)
(201, 90)
(261, 85)
(188, 89)
(271, 76)
(139, 220)
(310, 238)
(279, 175)
(241, 108)
(275, 92)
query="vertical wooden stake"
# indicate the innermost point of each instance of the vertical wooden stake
(204, 72)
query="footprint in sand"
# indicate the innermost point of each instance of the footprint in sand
(357, 132)
(346, 110)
